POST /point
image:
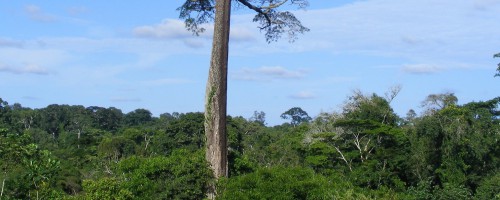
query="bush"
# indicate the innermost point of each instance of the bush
(276, 183)
(489, 188)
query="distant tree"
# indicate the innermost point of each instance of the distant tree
(169, 116)
(54, 118)
(456, 149)
(186, 132)
(138, 117)
(181, 175)
(115, 148)
(79, 120)
(498, 68)
(273, 22)
(259, 117)
(296, 115)
(370, 107)
(108, 119)
(410, 116)
(439, 101)
(363, 141)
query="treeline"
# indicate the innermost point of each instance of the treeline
(363, 151)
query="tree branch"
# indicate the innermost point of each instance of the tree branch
(260, 11)
(343, 158)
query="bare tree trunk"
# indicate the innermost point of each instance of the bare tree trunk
(78, 135)
(343, 158)
(3, 185)
(216, 93)
(147, 140)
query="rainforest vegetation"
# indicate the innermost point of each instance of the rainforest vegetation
(362, 151)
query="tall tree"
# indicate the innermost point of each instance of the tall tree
(273, 22)
(297, 116)
(435, 102)
(259, 117)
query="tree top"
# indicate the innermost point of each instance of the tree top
(272, 21)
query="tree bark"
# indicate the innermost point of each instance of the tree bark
(216, 92)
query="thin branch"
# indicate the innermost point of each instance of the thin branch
(274, 5)
(357, 143)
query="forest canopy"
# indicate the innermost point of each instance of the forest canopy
(362, 151)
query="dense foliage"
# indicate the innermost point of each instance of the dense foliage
(363, 151)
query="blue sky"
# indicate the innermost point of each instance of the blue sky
(138, 55)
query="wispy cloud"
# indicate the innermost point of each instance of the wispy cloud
(37, 14)
(194, 43)
(485, 4)
(171, 29)
(421, 69)
(125, 99)
(242, 34)
(341, 79)
(166, 81)
(279, 72)
(32, 98)
(176, 29)
(77, 10)
(10, 43)
(26, 69)
(408, 30)
(267, 73)
(303, 95)
(167, 29)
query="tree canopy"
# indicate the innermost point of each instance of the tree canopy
(270, 19)
(296, 115)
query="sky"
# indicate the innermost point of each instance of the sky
(138, 55)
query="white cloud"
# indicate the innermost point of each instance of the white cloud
(37, 14)
(194, 43)
(303, 95)
(26, 69)
(125, 99)
(174, 29)
(421, 69)
(267, 73)
(242, 34)
(166, 81)
(279, 72)
(32, 55)
(167, 29)
(485, 4)
(414, 31)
